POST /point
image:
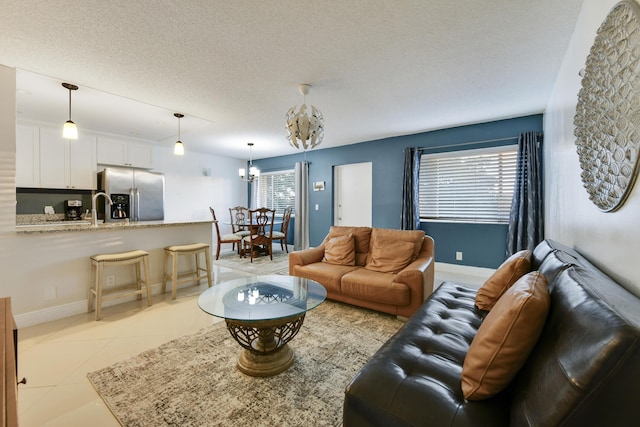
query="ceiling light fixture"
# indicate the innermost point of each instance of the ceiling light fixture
(70, 130)
(178, 149)
(253, 171)
(305, 131)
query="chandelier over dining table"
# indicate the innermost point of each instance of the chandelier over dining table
(306, 125)
(254, 172)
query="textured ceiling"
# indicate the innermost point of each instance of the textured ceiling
(378, 68)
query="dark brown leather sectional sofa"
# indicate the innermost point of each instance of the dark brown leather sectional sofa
(583, 371)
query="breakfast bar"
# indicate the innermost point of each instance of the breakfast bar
(73, 226)
(57, 281)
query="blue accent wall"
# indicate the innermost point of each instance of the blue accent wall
(482, 245)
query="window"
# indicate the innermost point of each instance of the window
(468, 186)
(276, 190)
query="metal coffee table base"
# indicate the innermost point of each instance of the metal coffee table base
(266, 352)
(268, 365)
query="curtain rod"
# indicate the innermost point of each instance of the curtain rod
(474, 142)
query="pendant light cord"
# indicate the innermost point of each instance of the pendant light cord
(69, 104)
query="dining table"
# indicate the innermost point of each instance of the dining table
(261, 249)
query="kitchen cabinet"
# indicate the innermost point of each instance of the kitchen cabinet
(67, 163)
(27, 156)
(121, 152)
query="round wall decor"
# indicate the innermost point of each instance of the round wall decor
(607, 116)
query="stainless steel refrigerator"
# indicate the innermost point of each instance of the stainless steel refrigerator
(139, 194)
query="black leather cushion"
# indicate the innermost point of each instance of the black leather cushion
(414, 379)
(587, 362)
(548, 247)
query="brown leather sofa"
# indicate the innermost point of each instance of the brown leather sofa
(583, 370)
(363, 279)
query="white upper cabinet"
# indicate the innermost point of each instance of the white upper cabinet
(83, 171)
(67, 163)
(121, 152)
(27, 156)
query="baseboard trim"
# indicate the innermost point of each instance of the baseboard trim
(464, 269)
(57, 312)
(49, 314)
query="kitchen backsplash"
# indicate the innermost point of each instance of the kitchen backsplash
(32, 201)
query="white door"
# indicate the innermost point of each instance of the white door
(352, 194)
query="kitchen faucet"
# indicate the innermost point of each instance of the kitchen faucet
(94, 213)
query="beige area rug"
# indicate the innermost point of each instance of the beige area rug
(261, 265)
(193, 380)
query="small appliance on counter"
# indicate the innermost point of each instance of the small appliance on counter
(120, 206)
(72, 210)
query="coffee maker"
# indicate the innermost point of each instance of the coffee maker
(120, 207)
(72, 210)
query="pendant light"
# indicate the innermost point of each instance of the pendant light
(70, 130)
(178, 149)
(254, 172)
(306, 128)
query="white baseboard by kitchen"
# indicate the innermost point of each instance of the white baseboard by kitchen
(57, 312)
(49, 314)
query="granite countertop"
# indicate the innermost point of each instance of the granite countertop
(29, 224)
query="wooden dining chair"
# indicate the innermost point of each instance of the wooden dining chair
(239, 217)
(261, 221)
(226, 238)
(284, 228)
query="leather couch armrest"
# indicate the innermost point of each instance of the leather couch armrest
(420, 272)
(306, 256)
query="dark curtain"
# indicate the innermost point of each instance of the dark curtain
(410, 217)
(526, 228)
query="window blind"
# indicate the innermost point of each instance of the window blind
(276, 190)
(468, 186)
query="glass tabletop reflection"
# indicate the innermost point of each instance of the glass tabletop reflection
(262, 297)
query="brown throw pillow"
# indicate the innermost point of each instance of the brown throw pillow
(516, 266)
(361, 237)
(505, 338)
(390, 255)
(340, 250)
(414, 236)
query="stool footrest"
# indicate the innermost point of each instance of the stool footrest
(119, 292)
(191, 276)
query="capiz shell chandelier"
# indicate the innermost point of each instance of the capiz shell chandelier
(305, 130)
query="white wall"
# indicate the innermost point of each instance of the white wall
(189, 192)
(609, 240)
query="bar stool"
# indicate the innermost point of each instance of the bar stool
(98, 262)
(193, 276)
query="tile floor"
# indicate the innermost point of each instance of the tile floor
(56, 356)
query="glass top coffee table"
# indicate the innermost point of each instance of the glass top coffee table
(263, 313)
